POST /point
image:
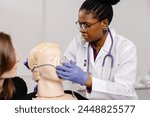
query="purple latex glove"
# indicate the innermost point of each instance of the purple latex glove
(69, 71)
(26, 64)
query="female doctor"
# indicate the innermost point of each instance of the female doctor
(100, 59)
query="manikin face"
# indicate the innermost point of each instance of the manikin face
(53, 57)
(11, 73)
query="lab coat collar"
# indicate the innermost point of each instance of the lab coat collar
(86, 44)
(108, 42)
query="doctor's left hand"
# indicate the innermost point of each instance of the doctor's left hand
(69, 71)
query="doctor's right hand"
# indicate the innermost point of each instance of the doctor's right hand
(69, 71)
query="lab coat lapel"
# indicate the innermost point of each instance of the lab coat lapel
(90, 54)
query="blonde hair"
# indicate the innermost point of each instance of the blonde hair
(33, 57)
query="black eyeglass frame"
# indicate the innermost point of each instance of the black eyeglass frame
(84, 26)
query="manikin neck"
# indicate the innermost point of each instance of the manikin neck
(49, 89)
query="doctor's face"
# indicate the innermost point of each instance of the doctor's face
(90, 28)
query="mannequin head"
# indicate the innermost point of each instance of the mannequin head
(42, 61)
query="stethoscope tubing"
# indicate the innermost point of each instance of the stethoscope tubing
(107, 55)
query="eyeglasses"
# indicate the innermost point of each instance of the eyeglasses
(42, 66)
(84, 26)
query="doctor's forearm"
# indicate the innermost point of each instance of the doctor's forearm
(88, 83)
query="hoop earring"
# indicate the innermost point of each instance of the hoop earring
(105, 30)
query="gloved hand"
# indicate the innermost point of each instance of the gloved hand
(69, 71)
(26, 64)
(35, 88)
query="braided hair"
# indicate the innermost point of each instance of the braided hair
(101, 9)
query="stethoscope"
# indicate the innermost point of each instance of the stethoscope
(109, 55)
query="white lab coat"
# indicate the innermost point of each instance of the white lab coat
(123, 75)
